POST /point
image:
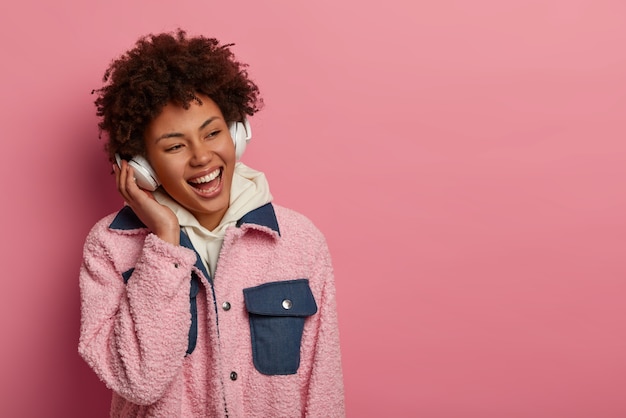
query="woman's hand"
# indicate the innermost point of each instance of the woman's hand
(158, 218)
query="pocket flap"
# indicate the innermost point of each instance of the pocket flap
(285, 298)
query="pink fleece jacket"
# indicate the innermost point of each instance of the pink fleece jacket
(273, 286)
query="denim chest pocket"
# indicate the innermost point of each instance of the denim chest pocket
(277, 312)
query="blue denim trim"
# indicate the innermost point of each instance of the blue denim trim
(276, 332)
(193, 328)
(264, 216)
(126, 275)
(186, 242)
(126, 219)
(193, 309)
(193, 293)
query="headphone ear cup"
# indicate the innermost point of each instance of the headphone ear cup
(241, 134)
(144, 173)
(145, 176)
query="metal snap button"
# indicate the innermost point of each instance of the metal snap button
(287, 304)
(226, 306)
(233, 376)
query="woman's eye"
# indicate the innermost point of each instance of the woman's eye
(173, 147)
(213, 134)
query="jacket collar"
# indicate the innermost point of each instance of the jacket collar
(263, 216)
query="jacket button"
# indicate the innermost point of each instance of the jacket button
(175, 265)
(226, 306)
(287, 304)
(233, 376)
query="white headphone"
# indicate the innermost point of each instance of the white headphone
(240, 132)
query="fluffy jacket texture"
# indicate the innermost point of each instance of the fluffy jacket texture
(135, 334)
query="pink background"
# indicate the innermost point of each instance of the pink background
(466, 160)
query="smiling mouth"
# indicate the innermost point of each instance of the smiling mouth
(207, 184)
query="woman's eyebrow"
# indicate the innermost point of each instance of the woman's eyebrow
(207, 122)
(178, 134)
(169, 135)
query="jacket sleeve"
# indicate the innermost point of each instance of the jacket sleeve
(135, 334)
(326, 392)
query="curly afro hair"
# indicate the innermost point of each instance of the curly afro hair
(169, 68)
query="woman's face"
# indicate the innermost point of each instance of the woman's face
(193, 156)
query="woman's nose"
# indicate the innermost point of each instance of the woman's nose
(201, 155)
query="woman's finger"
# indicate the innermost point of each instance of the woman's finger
(124, 178)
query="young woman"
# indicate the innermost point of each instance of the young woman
(201, 298)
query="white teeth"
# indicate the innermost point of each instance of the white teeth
(205, 179)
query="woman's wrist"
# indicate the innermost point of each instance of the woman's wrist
(169, 234)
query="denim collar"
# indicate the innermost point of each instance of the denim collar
(265, 216)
